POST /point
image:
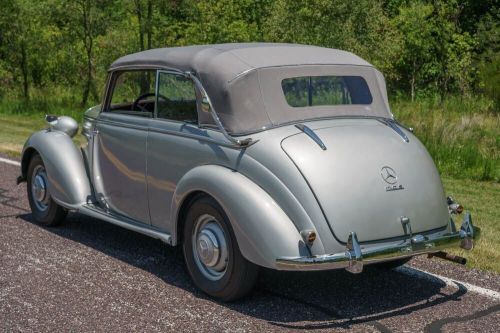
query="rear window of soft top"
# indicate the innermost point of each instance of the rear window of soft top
(307, 91)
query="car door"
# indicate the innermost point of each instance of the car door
(173, 143)
(120, 144)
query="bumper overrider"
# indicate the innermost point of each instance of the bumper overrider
(355, 256)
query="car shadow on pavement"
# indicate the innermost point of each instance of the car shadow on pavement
(298, 300)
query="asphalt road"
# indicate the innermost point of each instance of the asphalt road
(92, 276)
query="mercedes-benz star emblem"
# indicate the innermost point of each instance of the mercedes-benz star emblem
(389, 175)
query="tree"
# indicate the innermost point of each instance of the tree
(223, 21)
(488, 56)
(416, 61)
(144, 12)
(84, 21)
(20, 40)
(357, 26)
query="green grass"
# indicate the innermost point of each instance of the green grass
(18, 120)
(483, 200)
(462, 135)
(15, 130)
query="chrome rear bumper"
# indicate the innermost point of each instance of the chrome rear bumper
(355, 257)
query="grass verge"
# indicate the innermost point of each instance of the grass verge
(462, 135)
(16, 128)
(483, 201)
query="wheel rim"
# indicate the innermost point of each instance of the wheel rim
(210, 247)
(39, 190)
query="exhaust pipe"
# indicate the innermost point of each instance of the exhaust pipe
(449, 257)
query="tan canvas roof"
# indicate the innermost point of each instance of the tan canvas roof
(236, 58)
(241, 80)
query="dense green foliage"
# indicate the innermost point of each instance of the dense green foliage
(424, 47)
(443, 55)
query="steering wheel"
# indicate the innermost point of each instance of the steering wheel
(136, 104)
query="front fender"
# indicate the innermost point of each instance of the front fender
(68, 184)
(262, 229)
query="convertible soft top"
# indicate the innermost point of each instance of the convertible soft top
(244, 80)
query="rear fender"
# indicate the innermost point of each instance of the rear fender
(68, 184)
(262, 229)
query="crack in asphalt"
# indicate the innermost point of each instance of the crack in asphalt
(437, 325)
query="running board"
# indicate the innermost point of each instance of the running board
(124, 222)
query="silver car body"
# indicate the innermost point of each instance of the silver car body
(363, 184)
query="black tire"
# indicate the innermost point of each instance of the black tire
(392, 264)
(239, 276)
(52, 214)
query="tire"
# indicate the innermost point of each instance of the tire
(45, 210)
(207, 225)
(392, 264)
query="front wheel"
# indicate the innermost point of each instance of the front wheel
(211, 252)
(45, 210)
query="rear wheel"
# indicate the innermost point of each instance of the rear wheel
(45, 211)
(211, 252)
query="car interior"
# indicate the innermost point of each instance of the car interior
(141, 85)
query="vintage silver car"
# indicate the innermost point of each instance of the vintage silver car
(248, 155)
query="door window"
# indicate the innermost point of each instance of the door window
(176, 98)
(134, 93)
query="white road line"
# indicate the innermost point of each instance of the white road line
(12, 162)
(450, 282)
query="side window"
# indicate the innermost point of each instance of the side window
(134, 93)
(176, 98)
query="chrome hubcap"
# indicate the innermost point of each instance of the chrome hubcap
(39, 189)
(210, 247)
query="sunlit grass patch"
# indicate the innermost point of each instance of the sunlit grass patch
(16, 128)
(483, 200)
(463, 136)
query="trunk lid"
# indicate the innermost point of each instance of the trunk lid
(368, 178)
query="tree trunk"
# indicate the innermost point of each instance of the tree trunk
(24, 71)
(149, 23)
(138, 10)
(413, 81)
(412, 85)
(88, 43)
(88, 83)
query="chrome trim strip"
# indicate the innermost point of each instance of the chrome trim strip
(206, 99)
(124, 222)
(170, 132)
(354, 258)
(392, 124)
(193, 136)
(309, 132)
(125, 125)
